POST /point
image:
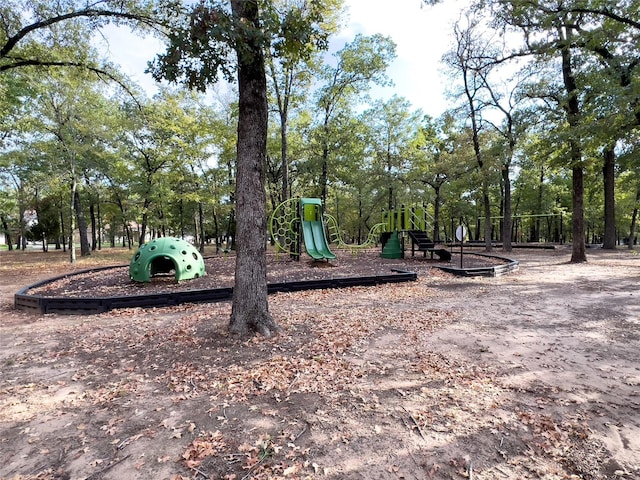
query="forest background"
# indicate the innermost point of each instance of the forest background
(540, 142)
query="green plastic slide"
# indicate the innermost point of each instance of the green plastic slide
(315, 240)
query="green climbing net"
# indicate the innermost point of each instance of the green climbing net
(283, 226)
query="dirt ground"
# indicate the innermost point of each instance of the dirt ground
(532, 375)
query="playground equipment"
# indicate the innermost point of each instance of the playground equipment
(414, 222)
(293, 215)
(315, 240)
(372, 239)
(392, 247)
(306, 214)
(163, 255)
(407, 219)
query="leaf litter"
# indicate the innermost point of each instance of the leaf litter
(353, 388)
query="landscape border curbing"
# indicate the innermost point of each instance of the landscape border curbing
(94, 305)
(511, 265)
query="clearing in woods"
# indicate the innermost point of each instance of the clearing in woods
(535, 374)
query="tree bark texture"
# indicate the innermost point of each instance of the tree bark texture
(507, 221)
(608, 171)
(634, 220)
(578, 251)
(7, 232)
(250, 310)
(94, 227)
(85, 247)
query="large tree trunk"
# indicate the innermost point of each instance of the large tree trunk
(608, 171)
(85, 248)
(507, 221)
(250, 309)
(634, 220)
(7, 233)
(578, 251)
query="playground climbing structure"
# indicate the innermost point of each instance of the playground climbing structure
(165, 255)
(373, 237)
(414, 222)
(319, 230)
(297, 219)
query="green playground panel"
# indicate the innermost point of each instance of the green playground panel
(162, 255)
(311, 208)
(406, 218)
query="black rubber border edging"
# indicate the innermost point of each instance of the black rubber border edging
(94, 305)
(493, 271)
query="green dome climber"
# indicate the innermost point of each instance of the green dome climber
(163, 255)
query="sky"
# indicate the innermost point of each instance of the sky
(422, 35)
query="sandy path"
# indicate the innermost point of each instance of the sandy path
(569, 332)
(533, 375)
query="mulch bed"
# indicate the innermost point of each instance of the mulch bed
(221, 269)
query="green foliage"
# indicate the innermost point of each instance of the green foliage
(168, 157)
(205, 38)
(40, 33)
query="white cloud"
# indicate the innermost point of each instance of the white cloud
(422, 35)
(132, 51)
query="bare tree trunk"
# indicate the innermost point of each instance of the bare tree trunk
(578, 251)
(608, 171)
(85, 248)
(507, 220)
(145, 221)
(634, 220)
(250, 309)
(99, 225)
(7, 233)
(94, 227)
(201, 222)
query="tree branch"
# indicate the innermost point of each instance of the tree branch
(25, 62)
(89, 12)
(607, 13)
